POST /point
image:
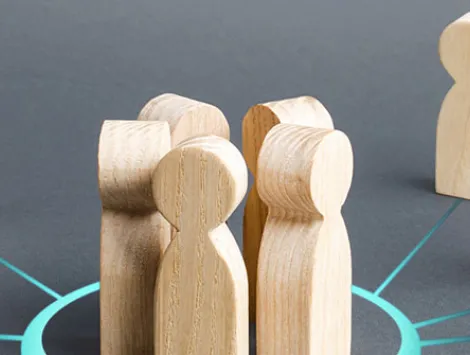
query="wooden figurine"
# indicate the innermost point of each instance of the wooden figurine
(133, 234)
(187, 117)
(453, 128)
(305, 111)
(304, 271)
(202, 288)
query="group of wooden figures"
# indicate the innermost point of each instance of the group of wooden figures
(173, 280)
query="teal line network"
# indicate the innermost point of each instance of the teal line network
(411, 343)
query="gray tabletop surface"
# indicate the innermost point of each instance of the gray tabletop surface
(65, 66)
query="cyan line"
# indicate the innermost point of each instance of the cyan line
(410, 256)
(7, 337)
(433, 321)
(410, 341)
(32, 339)
(30, 279)
(447, 341)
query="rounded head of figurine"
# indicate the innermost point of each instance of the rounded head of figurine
(186, 117)
(128, 153)
(200, 182)
(304, 169)
(454, 49)
(258, 121)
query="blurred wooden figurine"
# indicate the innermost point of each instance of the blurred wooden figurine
(453, 128)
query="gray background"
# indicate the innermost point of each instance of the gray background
(65, 66)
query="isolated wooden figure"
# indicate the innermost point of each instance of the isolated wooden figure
(187, 117)
(304, 270)
(303, 110)
(133, 234)
(453, 128)
(202, 287)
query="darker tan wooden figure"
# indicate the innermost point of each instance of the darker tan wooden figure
(305, 111)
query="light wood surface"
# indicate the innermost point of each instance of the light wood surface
(187, 117)
(304, 270)
(303, 110)
(453, 129)
(202, 288)
(133, 234)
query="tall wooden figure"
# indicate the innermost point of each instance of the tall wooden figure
(304, 270)
(305, 111)
(187, 117)
(133, 234)
(202, 287)
(453, 128)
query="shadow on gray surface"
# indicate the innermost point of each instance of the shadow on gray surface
(75, 329)
(73, 346)
(425, 184)
(252, 338)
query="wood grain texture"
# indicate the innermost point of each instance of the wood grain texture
(453, 128)
(202, 288)
(133, 234)
(305, 111)
(187, 117)
(304, 271)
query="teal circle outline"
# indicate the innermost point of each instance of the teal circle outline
(32, 339)
(410, 339)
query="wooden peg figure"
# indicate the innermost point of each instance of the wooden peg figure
(187, 117)
(304, 111)
(453, 128)
(133, 234)
(202, 288)
(304, 270)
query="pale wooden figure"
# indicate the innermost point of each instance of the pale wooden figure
(303, 110)
(202, 287)
(304, 270)
(453, 128)
(133, 234)
(187, 117)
